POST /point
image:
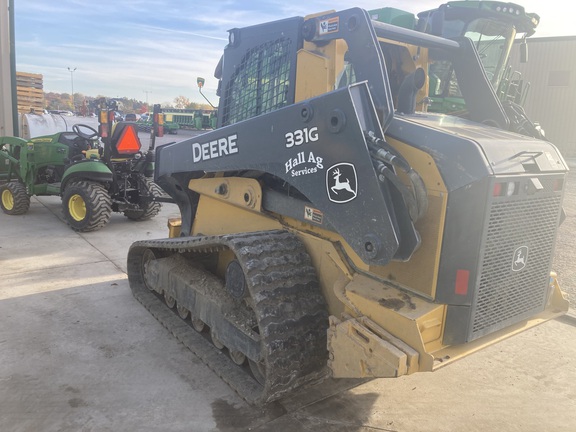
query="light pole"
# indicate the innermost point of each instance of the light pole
(72, 82)
(147, 91)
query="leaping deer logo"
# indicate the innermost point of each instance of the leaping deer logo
(339, 185)
(519, 258)
(341, 182)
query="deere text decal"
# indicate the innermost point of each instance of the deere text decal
(215, 149)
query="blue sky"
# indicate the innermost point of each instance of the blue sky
(154, 50)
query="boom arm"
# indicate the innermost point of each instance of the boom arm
(318, 147)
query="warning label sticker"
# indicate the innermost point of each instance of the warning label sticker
(313, 215)
(329, 26)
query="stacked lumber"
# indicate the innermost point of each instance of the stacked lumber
(30, 93)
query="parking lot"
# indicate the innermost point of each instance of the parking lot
(79, 353)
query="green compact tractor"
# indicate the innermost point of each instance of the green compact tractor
(95, 172)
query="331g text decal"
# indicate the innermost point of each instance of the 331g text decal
(301, 136)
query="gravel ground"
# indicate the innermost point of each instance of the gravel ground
(565, 257)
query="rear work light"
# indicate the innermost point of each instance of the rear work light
(558, 185)
(505, 189)
(159, 124)
(462, 279)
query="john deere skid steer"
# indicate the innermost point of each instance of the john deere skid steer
(330, 226)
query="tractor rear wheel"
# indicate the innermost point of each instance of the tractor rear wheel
(14, 199)
(148, 209)
(86, 205)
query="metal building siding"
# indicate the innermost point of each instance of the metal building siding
(553, 106)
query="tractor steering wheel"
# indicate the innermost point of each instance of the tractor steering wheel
(77, 131)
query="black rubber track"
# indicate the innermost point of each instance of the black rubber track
(289, 307)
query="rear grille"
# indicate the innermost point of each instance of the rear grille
(504, 296)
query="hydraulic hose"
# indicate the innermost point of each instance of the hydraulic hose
(416, 199)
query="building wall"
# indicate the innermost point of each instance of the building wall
(6, 114)
(551, 100)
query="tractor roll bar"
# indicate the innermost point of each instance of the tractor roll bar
(413, 37)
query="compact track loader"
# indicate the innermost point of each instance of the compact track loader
(330, 226)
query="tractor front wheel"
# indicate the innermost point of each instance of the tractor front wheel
(14, 199)
(86, 205)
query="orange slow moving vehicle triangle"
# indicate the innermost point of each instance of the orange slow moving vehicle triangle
(129, 142)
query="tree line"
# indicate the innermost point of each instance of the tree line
(83, 105)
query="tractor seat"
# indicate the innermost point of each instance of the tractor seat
(125, 141)
(75, 143)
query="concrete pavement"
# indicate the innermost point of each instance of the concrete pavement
(79, 353)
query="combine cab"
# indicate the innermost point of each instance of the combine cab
(329, 228)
